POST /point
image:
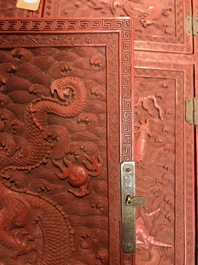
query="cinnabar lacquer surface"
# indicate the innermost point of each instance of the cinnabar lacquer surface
(164, 153)
(61, 139)
(159, 25)
(162, 82)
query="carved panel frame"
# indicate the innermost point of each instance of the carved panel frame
(116, 36)
(184, 224)
(181, 42)
(146, 35)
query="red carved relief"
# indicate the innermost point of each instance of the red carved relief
(49, 125)
(55, 148)
(159, 25)
(40, 140)
(161, 22)
(154, 146)
(148, 13)
(141, 141)
(159, 132)
(78, 176)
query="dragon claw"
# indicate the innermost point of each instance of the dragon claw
(60, 176)
(78, 175)
(94, 166)
(65, 171)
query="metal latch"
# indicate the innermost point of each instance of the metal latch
(192, 111)
(129, 203)
(192, 26)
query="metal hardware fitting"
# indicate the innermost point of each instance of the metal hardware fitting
(129, 203)
(192, 111)
(192, 26)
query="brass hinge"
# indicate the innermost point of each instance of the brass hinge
(192, 26)
(192, 111)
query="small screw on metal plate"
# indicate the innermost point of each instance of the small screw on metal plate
(129, 246)
(128, 169)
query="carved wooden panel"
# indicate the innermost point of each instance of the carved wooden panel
(61, 95)
(159, 25)
(164, 155)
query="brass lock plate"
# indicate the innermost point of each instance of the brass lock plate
(129, 203)
(128, 211)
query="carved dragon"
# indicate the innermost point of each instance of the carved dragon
(14, 214)
(37, 131)
(148, 10)
(15, 206)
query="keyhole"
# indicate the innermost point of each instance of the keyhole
(128, 199)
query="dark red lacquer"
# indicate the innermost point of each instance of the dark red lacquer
(165, 75)
(162, 176)
(60, 139)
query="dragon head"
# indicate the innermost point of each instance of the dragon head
(62, 88)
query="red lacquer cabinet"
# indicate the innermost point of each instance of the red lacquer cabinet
(87, 88)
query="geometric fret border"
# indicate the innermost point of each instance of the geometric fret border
(116, 36)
